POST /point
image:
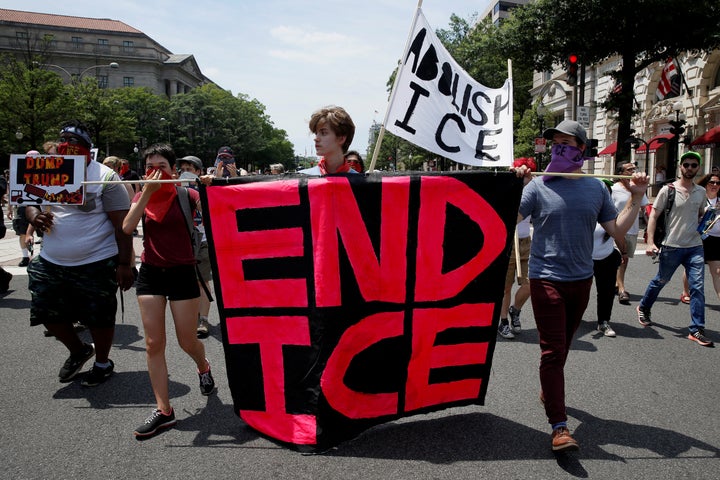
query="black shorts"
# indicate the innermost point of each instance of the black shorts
(19, 222)
(711, 248)
(175, 283)
(83, 293)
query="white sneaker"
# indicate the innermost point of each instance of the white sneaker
(606, 329)
(505, 331)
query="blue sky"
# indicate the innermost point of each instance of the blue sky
(294, 56)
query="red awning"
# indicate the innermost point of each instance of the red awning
(609, 150)
(656, 142)
(710, 138)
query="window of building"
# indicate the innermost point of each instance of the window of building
(128, 81)
(103, 45)
(21, 38)
(102, 81)
(128, 46)
(77, 43)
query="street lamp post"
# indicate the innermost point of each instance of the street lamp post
(113, 65)
(540, 148)
(635, 142)
(166, 123)
(676, 128)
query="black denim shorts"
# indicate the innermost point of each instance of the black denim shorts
(82, 293)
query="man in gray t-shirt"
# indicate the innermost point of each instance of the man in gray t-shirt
(565, 211)
(681, 246)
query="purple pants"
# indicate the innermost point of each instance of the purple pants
(558, 308)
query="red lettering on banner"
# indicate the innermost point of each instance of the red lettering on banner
(427, 323)
(271, 333)
(379, 279)
(435, 193)
(233, 247)
(354, 340)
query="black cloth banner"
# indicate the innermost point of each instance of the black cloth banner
(348, 301)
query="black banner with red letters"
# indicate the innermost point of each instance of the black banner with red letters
(348, 301)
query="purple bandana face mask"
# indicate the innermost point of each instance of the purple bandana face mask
(564, 159)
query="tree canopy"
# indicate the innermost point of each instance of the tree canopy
(34, 102)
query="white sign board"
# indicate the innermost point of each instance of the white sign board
(46, 179)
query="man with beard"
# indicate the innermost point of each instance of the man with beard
(85, 256)
(682, 246)
(564, 212)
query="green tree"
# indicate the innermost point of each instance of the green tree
(640, 32)
(32, 101)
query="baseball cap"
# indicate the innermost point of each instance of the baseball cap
(225, 151)
(692, 155)
(568, 127)
(192, 159)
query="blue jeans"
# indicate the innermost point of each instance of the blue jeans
(694, 262)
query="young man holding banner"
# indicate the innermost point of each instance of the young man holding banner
(561, 266)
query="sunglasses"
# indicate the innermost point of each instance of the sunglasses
(70, 140)
(690, 165)
(713, 182)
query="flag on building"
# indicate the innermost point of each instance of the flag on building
(438, 106)
(669, 85)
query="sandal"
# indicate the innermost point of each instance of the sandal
(685, 298)
(624, 298)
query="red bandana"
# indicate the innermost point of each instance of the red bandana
(161, 200)
(344, 168)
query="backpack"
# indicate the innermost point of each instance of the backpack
(662, 220)
(194, 232)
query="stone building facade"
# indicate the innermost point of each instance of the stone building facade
(79, 47)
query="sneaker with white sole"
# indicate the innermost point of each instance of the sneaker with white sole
(606, 329)
(156, 421)
(515, 319)
(505, 331)
(644, 316)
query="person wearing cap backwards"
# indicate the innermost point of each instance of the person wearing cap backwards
(192, 167)
(225, 165)
(564, 212)
(85, 257)
(682, 246)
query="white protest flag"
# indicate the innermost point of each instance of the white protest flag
(436, 105)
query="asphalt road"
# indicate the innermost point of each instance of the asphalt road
(643, 405)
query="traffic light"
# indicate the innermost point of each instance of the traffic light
(677, 127)
(572, 69)
(591, 150)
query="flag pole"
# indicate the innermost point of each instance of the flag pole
(381, 134)
(595, 175)
(123, 182)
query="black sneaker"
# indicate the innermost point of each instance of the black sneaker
(505, 331)
(644, 316)
(207, 383)
(155, 422)
(700, 338)
(97, 375)
(515, 319)
(24, 262)
(74, 363)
